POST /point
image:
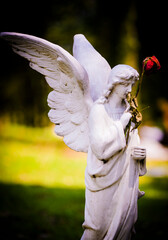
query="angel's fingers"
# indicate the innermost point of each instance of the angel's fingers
(139, 156)
(127, 109)
(139, 152)
(140, 149)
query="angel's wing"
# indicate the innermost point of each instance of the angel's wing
(96, 66)
(70, 99)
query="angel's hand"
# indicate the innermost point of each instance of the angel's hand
(125, 118)
(127, 105)
(138, 153)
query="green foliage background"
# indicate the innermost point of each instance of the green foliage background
(124, 32)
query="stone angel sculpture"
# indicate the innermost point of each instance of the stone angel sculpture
(90, 111)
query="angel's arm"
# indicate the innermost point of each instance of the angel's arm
(106, 136)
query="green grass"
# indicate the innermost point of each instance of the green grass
(34, 212)
(42, 189)
(153, 209)
(37, 156)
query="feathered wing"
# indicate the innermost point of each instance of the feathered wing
(69, 101)
(96, 66)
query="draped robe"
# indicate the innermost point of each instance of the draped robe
(111, 178)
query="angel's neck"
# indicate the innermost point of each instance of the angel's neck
(116, 104)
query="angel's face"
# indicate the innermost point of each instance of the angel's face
(122, 90)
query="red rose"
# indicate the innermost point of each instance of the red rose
(151, 64)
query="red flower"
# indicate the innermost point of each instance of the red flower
(151, 64)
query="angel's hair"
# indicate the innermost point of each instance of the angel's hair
(120, 74)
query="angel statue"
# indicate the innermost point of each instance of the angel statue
(90, 111)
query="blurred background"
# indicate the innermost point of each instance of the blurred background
(41, 180)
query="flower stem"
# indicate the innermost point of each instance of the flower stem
(140, 83)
